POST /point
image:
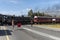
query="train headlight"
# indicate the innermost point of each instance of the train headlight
(53, 19)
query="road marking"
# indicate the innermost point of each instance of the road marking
(43, 34)
(7, 37)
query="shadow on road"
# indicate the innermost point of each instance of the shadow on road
(5, 32)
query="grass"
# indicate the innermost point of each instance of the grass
(49, 25)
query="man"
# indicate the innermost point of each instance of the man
(13, 23)
(31, 23)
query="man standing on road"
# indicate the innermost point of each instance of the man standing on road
(31, 23)
(13, 23)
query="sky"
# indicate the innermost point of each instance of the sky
(21, 7)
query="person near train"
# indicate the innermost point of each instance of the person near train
(13, 24)
(31, 23)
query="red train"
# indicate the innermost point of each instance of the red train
(43, 19)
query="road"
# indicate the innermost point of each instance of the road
(26, 32)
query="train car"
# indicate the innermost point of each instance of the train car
(43, 19)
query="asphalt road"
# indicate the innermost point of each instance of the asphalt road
(26, 32)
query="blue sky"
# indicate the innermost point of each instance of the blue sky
(21, 7)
